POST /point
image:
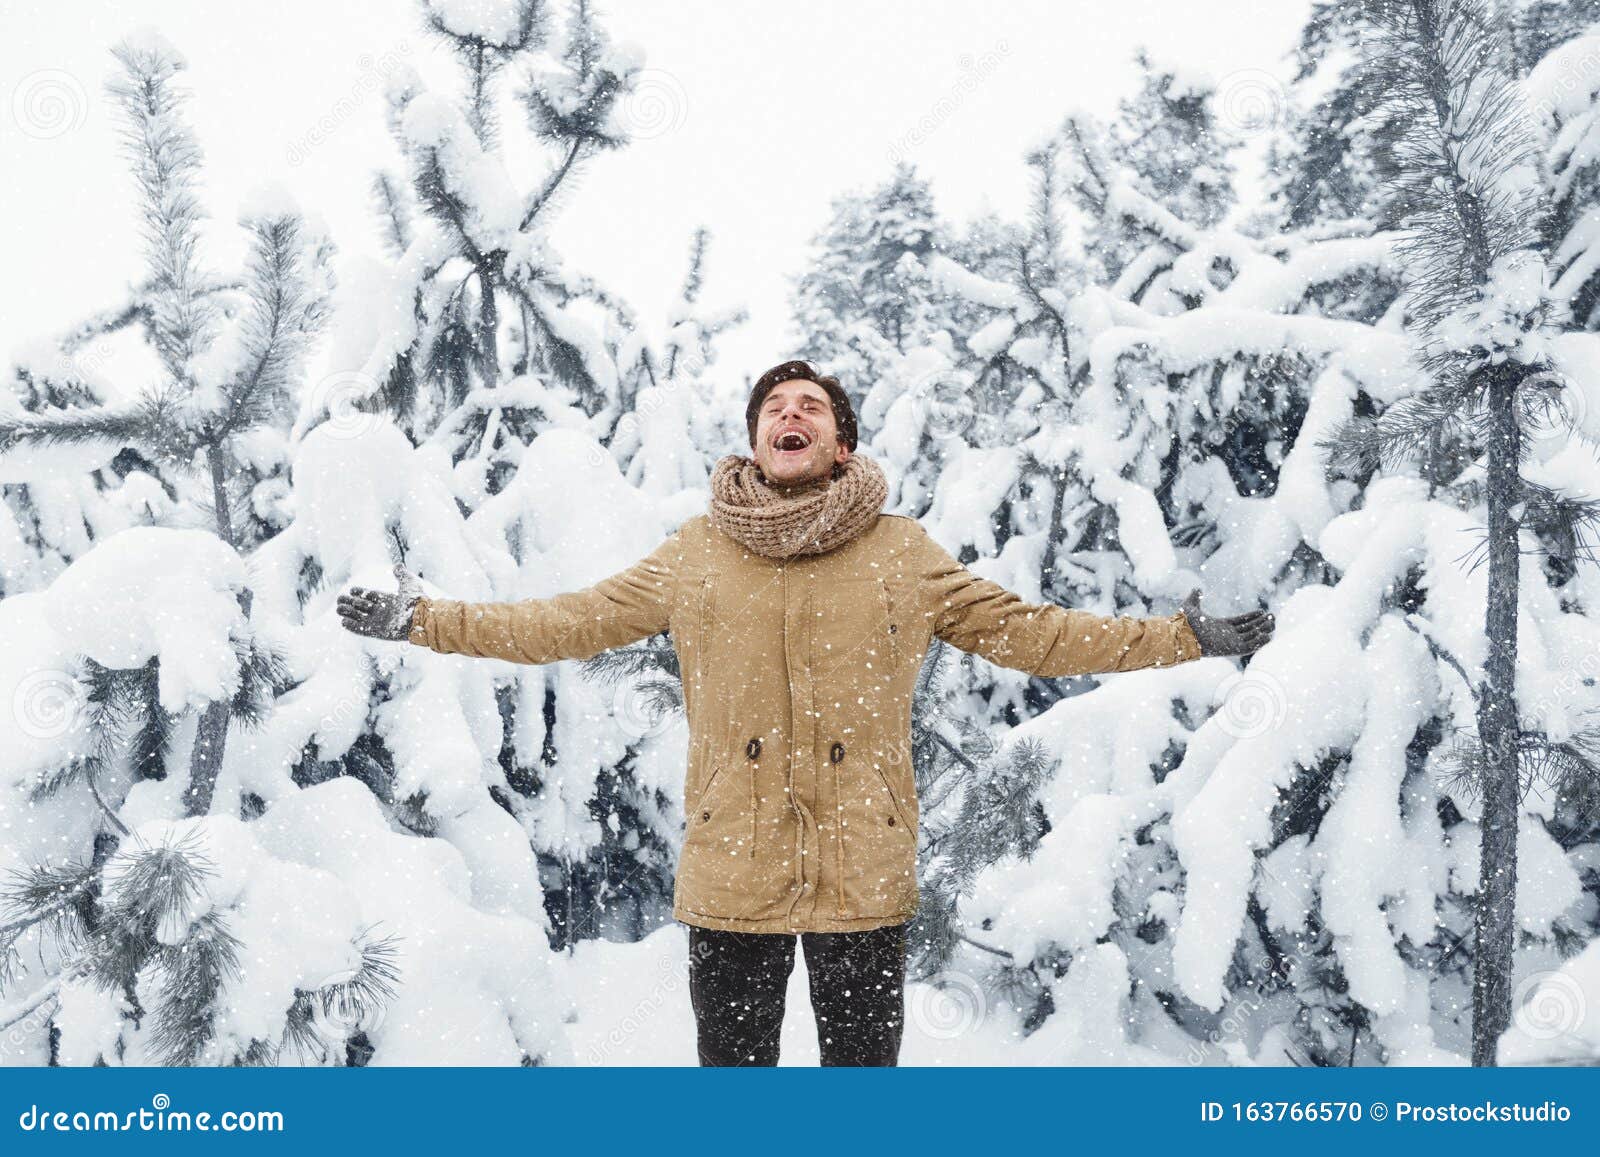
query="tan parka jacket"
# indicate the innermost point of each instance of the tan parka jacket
(797, 682)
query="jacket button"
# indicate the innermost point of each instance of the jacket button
(836, 753)
(705, 817)
(892, 628)
(891, 821)
(753, 748)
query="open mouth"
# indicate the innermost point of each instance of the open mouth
(792, 442)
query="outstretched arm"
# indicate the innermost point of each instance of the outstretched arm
(984, 618)
(620, 609)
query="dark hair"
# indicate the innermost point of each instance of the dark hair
(844, 414)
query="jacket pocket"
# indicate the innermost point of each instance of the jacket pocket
(894, 800)
(878, 854)
(695, 812)
(717, 874)
(720, 815)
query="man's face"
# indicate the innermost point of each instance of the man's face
(797, 438)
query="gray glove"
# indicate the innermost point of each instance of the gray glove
(1230, 635)
(378, 614)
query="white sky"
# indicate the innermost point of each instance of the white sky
(751, 118)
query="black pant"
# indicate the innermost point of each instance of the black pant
(737, 982)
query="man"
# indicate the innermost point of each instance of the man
(800, 614)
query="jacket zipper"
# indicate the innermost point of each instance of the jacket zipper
(890, 628)
(700, 631)
(795, 733)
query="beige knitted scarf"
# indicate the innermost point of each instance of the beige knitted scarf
(791, 521)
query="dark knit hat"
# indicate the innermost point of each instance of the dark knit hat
(844, 414)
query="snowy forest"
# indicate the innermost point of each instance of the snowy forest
(1363, 393)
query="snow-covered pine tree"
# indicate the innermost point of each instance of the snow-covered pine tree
(1189, 383)
(1567, 114)
(49, 515)
(147, 939)
(496, 340)
(1224, 874)
(1462, 169)
(1319, 167)
(130, 933)
(1173, 149)
(228, 360)
(158, 919)
(1293, 879)
(56, 507)
(863, 301)
(677, 419)
(944, 412)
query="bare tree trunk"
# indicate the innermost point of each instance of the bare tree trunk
(1498, 732)
(211, 736)
(1057, 532)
